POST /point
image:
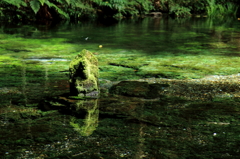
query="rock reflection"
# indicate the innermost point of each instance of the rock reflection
(90, 122)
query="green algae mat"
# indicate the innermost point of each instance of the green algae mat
(128, 51)
(194, 64)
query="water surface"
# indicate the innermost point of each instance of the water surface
(196, 115)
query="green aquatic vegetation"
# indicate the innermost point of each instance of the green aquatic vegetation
(192, 118)
(10, 69)
(210, 112)
(35, 46)
(182, 66)
(198, 47)
(218, 45)
(50, 67)
(117, 73)
(188, 35)
(155, 125)
(127, 65)
(17, 44)
(16, 113)
(4, 58)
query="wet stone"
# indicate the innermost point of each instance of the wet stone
(83, 72)
(138, 89)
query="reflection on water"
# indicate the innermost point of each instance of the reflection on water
(91, 119)
(161, 118)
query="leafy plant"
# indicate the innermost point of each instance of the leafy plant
(180, 11)
(74, 9)
(22, 8)
(121, 8)
(179, 8)
(60, 11)
(16, 3)
(35, 5)
(215, 9)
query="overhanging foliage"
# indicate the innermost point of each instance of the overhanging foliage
(74, 9)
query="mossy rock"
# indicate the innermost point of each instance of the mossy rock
(83, 72)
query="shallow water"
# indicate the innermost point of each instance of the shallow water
(193, 117)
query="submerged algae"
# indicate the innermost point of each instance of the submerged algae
(190, 54)
(128, 127)
(171, 66)
(131, 126)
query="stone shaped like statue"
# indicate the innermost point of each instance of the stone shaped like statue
(83, 72)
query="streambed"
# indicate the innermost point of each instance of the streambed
(195, 116)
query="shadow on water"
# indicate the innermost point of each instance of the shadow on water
(136, 118)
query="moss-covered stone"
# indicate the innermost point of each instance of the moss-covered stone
(83, 71)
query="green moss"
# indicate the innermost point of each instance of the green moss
(196, 57)
(117, 73)
(186, 114)
(179, 66)
(83, 72)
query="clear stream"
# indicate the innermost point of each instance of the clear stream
(193, 114)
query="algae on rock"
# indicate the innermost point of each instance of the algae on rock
(83, 72)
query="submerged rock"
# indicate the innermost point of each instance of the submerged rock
(138, 89)
(83, 72)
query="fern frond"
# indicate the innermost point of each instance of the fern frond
(61, 1)
(16, 3)
(68, 1)
(97, 1)
(42, 2)
(79, 5)
(61, 12)
(35, 5)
